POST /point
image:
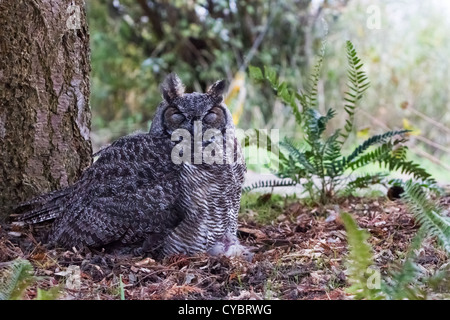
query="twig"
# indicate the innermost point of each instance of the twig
(429, 157)
(430, 120)
(433, 144)
(413, 149)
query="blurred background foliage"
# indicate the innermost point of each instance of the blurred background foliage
(136, 43)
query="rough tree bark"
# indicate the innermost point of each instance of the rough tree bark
(44, 97)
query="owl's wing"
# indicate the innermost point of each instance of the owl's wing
(126, 211)
(128, 192)
(91, 222)
(124, 193)
(106, 169)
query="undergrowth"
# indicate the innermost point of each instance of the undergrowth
(16, 277)
(409, 282)
(320, 166)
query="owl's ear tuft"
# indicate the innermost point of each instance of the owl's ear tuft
(217, 89)
(172, 87)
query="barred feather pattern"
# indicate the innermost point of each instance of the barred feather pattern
(212, 213)
(123, 196)
(134, 194)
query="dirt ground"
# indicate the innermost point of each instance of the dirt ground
(300, 255)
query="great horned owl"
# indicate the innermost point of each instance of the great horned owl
(146, 190)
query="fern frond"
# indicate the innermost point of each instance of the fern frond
(376, 139)
(358, 84)
(312, 93)
(408, 167)
(365, 181)
(427, 213)
(359, 260)
(316, 123)
(289, 97)
(282, 90)
(303, 99)
(382, 152)
(15, 277)
(269, 184)
(290, 169)
(298, 155)
(399, 287)
(50, 294)
(312, 129)
(331, 154)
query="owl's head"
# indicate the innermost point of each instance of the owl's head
(180, 110)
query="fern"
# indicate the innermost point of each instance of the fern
(269, 184)
(377, 155)
(405, 283)
(16, 277)
(365, 181)
(312, 94)
(298, 155)
(121, 288)
(281, 88)
(427, 213)
(401, 284)
(358, 84)
(359, 260)
(409, 167)
(377, 139)
(316, 124)
(322, 162)
(332, 154)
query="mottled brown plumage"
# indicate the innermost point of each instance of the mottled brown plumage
(135, 194)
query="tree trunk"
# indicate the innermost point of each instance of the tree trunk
(44, 97)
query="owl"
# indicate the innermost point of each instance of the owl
(175, 189)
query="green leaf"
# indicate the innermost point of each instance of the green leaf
(121, 288)
(271, 76)
(255, 73)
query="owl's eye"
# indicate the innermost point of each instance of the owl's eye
(213, 116)
(210, 117)
(177, 117)
(173, 117)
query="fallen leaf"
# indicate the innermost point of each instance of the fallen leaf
(145, 262)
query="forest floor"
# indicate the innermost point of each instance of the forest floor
(299, 253)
